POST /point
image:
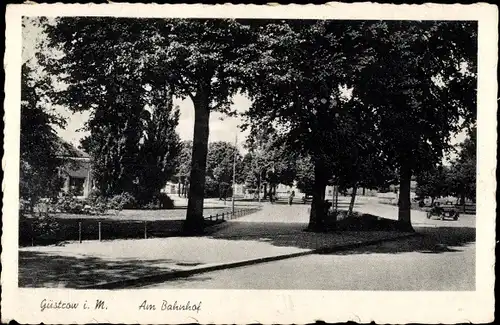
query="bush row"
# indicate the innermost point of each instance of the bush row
(97, 204)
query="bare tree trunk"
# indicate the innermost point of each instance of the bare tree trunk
(404, 213)
(317, 215)
(364, 191)
(31, 205)
(260, 181)
(353, 198)
(462, 200)
(194, 215)
(336, 197)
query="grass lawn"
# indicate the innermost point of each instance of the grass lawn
(121, 225)
(147, 215)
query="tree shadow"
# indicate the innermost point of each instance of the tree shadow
(426, 240)
(110, 229)
(38, 269)
(429, 240)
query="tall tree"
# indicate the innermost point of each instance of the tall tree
(105, 72)
(184, 167)
(205, 60)
(305, 176)
(296, 86)
(158, 147)
(462, 172)
(39, 143)
(221, 156)
(271, 163)
(432, 183)
(422, 85)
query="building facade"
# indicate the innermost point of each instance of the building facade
(76, 173)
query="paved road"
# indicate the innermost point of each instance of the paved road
(442, 259)
(356, 271)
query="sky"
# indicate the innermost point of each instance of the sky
(222, 128)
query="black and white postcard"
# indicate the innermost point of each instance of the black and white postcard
(249, 164)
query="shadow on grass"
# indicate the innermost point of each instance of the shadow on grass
(426, 240)
(110, 229)
(47, 270)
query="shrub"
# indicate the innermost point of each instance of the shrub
(211, 187)
(70, 204)
(43, 228)
(24, 205)
(165, 202)
(160, 201)
(97, 204)
(122, 201)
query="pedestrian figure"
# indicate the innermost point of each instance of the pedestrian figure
(328, 206)
(290, 198)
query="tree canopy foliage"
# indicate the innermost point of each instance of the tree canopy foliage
(40, 147)
(457, 179)
(39, 143)
(349, 102)
(422, 85)
(412, 87)
(132, 121)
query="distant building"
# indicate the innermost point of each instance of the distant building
(77, 176)
(240, 189)
(170, 188)
(76, 170)
(176, 188)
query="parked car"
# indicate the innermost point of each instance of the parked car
(443, 211)
(306, 198)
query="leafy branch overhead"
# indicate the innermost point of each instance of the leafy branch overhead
(355, 103)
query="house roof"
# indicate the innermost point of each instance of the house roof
(66, 149)
(77, 167)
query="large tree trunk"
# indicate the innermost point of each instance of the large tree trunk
(404, 198)
(317, 215)
(194, 216)
(353, 199)
(364, 189)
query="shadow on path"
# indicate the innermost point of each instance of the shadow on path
(46, 270)
(428, 239)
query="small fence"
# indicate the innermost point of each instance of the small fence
(108, 229)
(231, 214)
